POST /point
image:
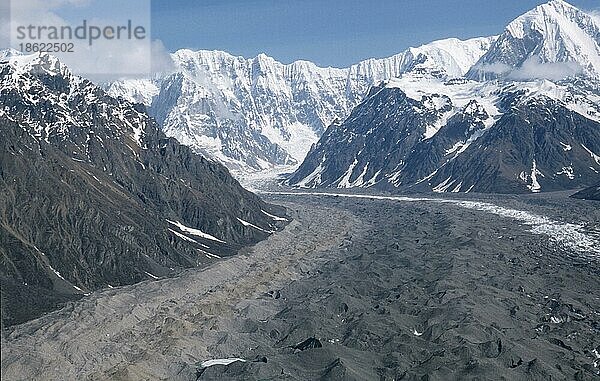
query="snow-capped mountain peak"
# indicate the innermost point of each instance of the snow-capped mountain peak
(522, 120)
(553, 40)
(45, 93)
(452, 57)
(256, 113)
(40, 63)
(542, 17)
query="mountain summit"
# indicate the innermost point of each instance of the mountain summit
(529, 124)
(553, 40)
(257, 113)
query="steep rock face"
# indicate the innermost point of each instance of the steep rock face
(258, 113)
(513, 131)
(552, 39)
(377, 136)
(537, 145)
(94, 195)
(423, 134)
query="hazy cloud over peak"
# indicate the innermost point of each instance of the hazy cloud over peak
(532, 68)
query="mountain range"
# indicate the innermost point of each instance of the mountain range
(94, 195)
(524, 118)
(255, 114)
(112, 184)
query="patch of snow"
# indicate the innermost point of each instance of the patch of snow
(227, 361)
(457, 188)
(444, 185)
(150, 275)
(417, 333)
(313, 179)
(344, 181)
(246, 223)
(373, 179)
(183, 237)
(593, 155)
(454, 148)
(209, 255)
(428, 177)
(566, 147)
(567, 171)
(275, 218)
(432, 129)
(196, 232)
(61, 277)
(535, 186)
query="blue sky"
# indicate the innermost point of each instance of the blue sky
(329, 32)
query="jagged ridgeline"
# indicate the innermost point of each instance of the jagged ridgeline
(258, 113)
(94, 195)
(524, 118)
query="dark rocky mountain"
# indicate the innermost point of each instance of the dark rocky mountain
(94, 195)
(511, 140)
(376, 138)
(525, 118)
(538, 144)
(591, 193)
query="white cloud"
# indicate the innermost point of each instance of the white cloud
(105, 59)
(532, 68)
(161, 58)
(595, 15)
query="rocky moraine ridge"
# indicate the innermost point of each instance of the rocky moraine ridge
(591, 193)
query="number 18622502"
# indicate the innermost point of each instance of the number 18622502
(48, 47)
